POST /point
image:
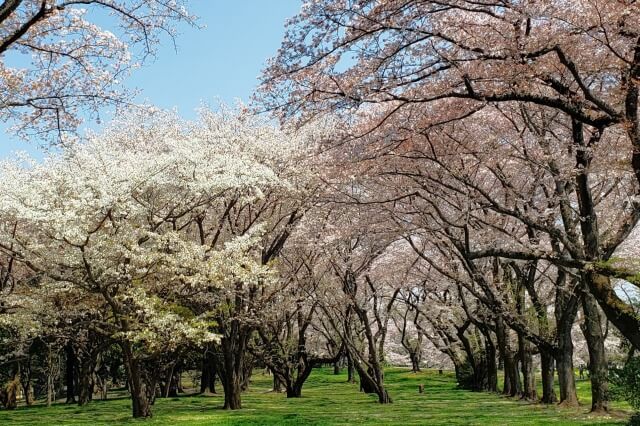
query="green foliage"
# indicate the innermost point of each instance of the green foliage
(625, 382)
(180, 310)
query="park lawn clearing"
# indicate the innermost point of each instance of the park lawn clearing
(328, 400)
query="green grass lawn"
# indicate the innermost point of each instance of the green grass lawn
(327, 399)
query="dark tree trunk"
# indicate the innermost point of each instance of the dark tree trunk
(294, 388)
(70, 368)
(547, 373)
(277, 384)
(366, 384)
(375, 370)
(294, 391)
(564, 364)
(458, 366)
(598, 371)
(173, 380)
(25, 381)
(85, 379)
(526, 363)
(205, 374)
(231, 366)
(209, 373)
(231, 384)
(10, 399)
(511, 376)
(351, 378)
(492, 366)
(247, 372)
(384, 398)
(510, 383)
(567, 301)
(415, 362)
(369, 385)
(140, 395)
(336, 368)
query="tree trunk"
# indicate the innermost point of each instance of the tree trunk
(336, 368)
(170, 383)
(140, 395)
(598, 371)
(12, 388)
(492, 366)
(351, 378)
(294, 391)
(547, 373)
(247, 372)
(383, 397)
(25, 381)
(231, 364)
(369, 385)
(304, 371)
(564, 363)
(174, 384)
(69, 377)
(510, 383)
(277, 384)
(50, 389)
(85, 380)
(209, 373)
(511, 376)
(415, 362)
(294, 388)
(366, 384)
(231, 385)
(528, 377)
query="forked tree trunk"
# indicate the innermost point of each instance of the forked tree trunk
(294, 388)
(368, 385)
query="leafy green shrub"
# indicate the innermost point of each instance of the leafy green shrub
(625, 384)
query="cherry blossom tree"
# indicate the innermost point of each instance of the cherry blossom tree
(123, 216)
(421, 65)
(62, 60)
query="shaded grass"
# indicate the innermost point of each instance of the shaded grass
(328, 399)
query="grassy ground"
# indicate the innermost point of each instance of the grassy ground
(327, 399)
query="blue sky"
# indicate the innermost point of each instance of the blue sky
(218, 62)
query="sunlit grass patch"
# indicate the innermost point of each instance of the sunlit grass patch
(328, 400)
